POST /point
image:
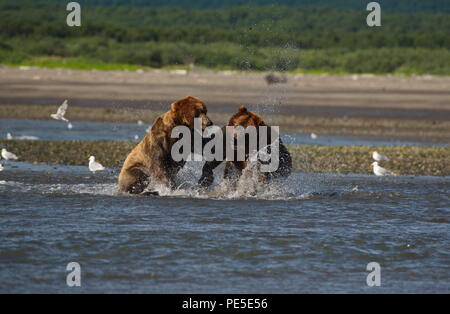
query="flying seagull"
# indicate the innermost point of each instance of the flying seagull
(59, 115)
(378, 157)
(7, 155)
(95, 166)
(380, 171)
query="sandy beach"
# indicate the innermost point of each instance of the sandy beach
(412, 108)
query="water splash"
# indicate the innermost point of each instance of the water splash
(74, 180)
(249, 186)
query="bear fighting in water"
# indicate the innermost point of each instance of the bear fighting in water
(234, 169)
(150, 162)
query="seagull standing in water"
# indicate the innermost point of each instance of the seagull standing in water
(95, 166)
(8, 156)
(59, 115)
(380, 171)
(9, 137)
(378, 157)
(314, 136)
(1, 167)
(69, 126)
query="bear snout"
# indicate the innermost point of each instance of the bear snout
(206, 122)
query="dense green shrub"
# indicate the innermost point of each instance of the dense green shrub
(265, 38)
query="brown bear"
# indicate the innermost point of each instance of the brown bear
(245, 119)
(150, 162)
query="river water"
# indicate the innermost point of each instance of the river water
(111, 131)
(310, 233)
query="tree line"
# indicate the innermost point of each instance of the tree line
(311, 28)
(248, 38)
(407, 6)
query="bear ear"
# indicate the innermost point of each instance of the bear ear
(182, 102)
(177, 104)
(242, 109)
(173, 107)
(190, 99)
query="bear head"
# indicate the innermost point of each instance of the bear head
(183, 112)
(246, 118)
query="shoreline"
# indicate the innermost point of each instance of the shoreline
(415, 109)
(177, 69)
(405, 160)
(414, 130)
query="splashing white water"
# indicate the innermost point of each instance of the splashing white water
(55, 181)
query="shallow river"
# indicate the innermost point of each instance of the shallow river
(311, 233)
(102, 131)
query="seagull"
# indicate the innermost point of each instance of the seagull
(140, 122)
(27, 138)
(136, 137)
(95, 166)
(378, 157)
(59, 115)
(9, 137)
(314, 136)
(7, 155)
(1, 167)
(380, 171)
(69, 126)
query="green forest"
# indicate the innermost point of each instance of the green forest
(435, 6)
(293, 35)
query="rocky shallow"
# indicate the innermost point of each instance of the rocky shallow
(404, 160)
